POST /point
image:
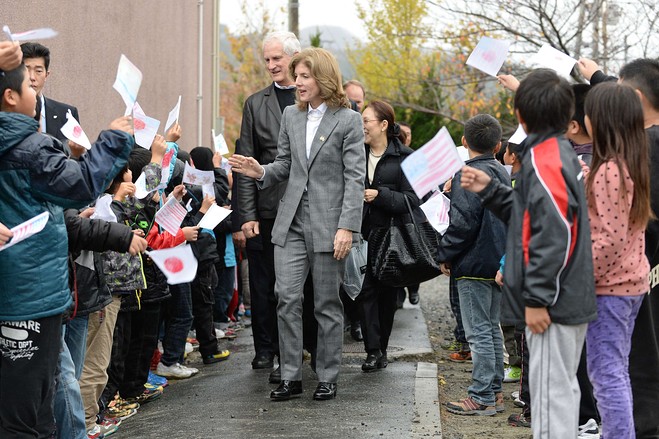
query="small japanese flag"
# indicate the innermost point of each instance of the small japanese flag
(178, 264)
(73, 131)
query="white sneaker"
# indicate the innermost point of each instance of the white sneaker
(590, 430)
(188, 347)
(174, 371)
(219, 333)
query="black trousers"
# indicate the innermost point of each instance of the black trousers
(29, 353)
(644, 365)
(587, 404)
(144, 325)
(203, 287)
(377, 303)
(261, 258)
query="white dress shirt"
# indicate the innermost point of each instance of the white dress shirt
(314, 116)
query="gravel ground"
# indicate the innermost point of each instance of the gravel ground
(454, 378)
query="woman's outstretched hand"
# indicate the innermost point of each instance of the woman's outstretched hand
(248, 166)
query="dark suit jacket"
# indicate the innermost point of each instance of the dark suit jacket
(259, 133)
(56, 117)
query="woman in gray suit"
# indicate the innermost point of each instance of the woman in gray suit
(320, 154)
(384, 198)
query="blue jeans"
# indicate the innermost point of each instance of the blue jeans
(480, 306)
(76, 340)
(69, 410)
(178, 321)
(223, 292)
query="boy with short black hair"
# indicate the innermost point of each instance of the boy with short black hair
(548, 279)
(576, 131)
(470, 250)
(36, 177)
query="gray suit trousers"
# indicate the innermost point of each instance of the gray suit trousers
(293, 262)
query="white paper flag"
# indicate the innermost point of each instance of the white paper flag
(171, 215)
(214, 216)
(178, 263)
(432, 164)
(489, 55)
(173, 115)
(140, 187)
(73, 131)
(25, 230)
(519, 135)
(220, 143)
(554, 59)
(436, 210)
(129, 79)
(195, 176)
(146, 129)
(102, 209)
(43, 33)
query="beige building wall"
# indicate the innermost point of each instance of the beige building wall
(159, 36)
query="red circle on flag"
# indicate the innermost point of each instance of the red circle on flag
(174, 264)
(139, 124)
(77, 131)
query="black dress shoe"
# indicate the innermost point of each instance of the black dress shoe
(263, 361)
(383, 361)
(325, 391)
(287, 389)
(372, 362)
(414, 296)
(356, 331)
(275, 376)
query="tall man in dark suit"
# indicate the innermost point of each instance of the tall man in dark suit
(52, 114)
(258, 138)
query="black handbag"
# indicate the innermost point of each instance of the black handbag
(404, 254)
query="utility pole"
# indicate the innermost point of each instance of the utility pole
(293, 14)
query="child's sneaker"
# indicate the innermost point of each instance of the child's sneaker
(157, 380)
(460, 357)
(516, 401)
(498, 402)
(119, 413)
(121, 403)
(519, 420)
(590, 430)
(453, 346)
(109, 426)
(512, 374)
(188, 348)
(193, 341)
(95, 433)
(176, 370)
(229, 334)
(470, 407)
(215, 358)
(147, 396)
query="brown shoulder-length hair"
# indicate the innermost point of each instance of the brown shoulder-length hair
(325, 70)
(616, 120)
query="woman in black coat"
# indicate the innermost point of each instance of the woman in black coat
(384, 199)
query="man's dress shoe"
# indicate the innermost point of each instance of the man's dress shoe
(372, 362)
(275, 376)
(356, 331)
(263, 362)
(287, 389)
(325, 391)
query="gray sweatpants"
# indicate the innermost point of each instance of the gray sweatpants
(553, 361)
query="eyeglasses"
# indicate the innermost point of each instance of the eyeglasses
(370, 120)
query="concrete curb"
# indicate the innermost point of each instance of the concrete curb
(427, 422)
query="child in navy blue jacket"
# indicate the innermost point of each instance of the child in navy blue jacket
(470, 250)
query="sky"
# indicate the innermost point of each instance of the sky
(311, 13)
